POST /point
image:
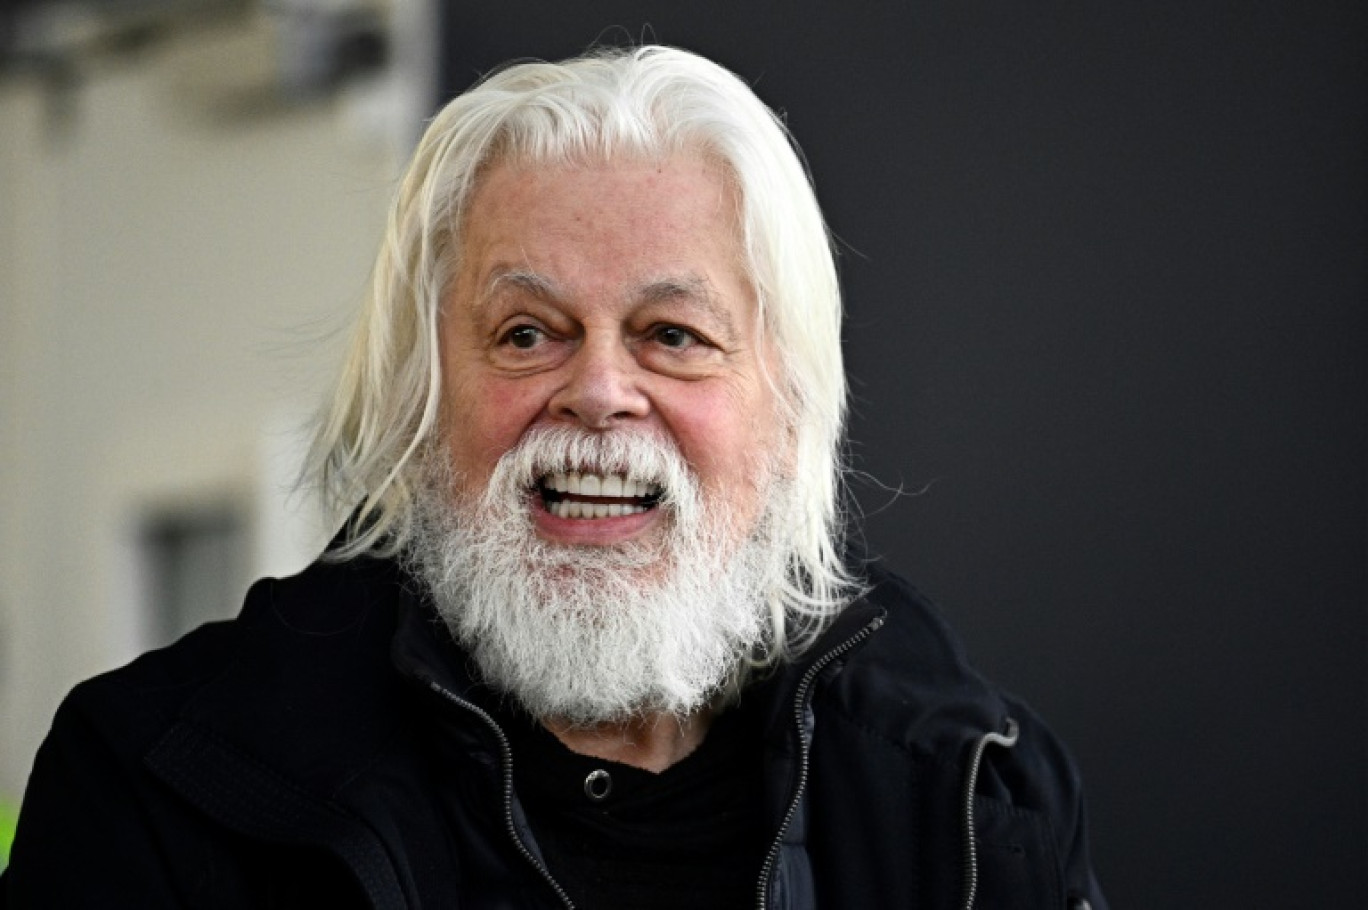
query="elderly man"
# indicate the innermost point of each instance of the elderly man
(589, 636)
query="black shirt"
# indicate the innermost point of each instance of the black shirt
(615, 836)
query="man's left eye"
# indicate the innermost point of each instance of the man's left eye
(672, 336)
(524, 337)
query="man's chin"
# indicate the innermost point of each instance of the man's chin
(591, 550)
(568, 580)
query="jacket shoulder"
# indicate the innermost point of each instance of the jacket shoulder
(278, 614)
(912, 680)
(915, 627)
(94, 803)
(913, 689)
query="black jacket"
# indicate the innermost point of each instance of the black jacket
(328, 748)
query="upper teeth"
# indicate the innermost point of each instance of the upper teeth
(599, 485)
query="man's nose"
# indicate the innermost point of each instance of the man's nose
(602, 385)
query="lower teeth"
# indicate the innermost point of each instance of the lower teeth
(565, 509)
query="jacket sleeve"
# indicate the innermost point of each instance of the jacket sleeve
(1041, 772)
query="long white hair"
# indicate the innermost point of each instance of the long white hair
(646, 101)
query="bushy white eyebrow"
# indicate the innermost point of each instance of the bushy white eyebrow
(693, 289)
(535, 283)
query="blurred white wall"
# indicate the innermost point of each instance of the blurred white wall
(179, 257)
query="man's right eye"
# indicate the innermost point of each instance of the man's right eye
(523, 337)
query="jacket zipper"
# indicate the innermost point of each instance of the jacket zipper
(506, 757)
(1006, 740)
(800, 701)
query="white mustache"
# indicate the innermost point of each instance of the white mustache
(644, 458)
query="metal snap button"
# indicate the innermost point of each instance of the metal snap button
(598, 785)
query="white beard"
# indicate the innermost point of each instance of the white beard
(591, 635)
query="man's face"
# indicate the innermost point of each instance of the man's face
(608, 297)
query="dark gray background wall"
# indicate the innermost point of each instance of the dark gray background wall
(1106, 276)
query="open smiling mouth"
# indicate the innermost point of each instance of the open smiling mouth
(596, 495)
